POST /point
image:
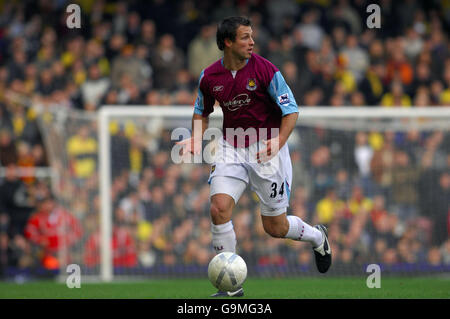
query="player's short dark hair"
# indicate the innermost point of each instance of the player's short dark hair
(227, 29)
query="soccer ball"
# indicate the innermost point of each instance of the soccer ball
(227, 271)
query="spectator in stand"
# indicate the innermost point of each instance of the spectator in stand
(422, 78)
(422, 98)
(290, 72)
(184, 81)
(404, 186)
(143, 56)
(148, 35)
(15, 200)
(25, 161)
(398, 67)
(52, 229)
(321, 172)
(277, 12)
(378, 210)
(413, 44)
(357, 99)
(167, 61)
(8, 150)
(436, 90)
(285, 52)
(114, 46)
(334, 86)
(123, 248)
(356, 57)
(343, 185)
(17, 66)
(444, 97)
(95, 87)
(445, 252)
(311, 30)
(46, 84)
(373, 84)
(434, 256)
(440, 212)
(396, 96)
(382, 164)
(153, 98)
(314, 97)
(128, 64)
(363, 157)
(133, 28)
(203, 50)
(82, 151)
(111, 97)
(358, 203)
(329, 209)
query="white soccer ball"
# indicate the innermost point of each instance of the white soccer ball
(227, 271)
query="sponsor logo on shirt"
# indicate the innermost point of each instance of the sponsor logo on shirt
(251, 84)
(283, 98)
(238, 101)
(218, 88)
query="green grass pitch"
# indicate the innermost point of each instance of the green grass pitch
(281, 288)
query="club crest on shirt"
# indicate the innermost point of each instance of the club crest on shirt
(213, 168)
(251, 84)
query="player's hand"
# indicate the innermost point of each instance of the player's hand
(190, 146)
(272, 148)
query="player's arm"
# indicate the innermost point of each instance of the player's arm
(193, 144)
(287, 126)
(282, 95)
(199, 126)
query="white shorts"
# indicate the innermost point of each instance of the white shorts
(235, 168)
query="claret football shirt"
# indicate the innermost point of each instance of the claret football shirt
(253, 98)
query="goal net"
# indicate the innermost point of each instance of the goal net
(378, 178)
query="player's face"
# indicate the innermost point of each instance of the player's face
(242, 47)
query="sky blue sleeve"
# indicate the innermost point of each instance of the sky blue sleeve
(282, 94)
(199, 106)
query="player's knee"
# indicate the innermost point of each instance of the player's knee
(219, 212)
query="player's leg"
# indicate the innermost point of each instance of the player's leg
(276, 226)
(225, 193)
(272, 185)
(228, 180)
(279, 225)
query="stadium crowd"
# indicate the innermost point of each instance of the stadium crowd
(384, 195)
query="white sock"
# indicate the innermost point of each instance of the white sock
(301, 231)
(223, 237)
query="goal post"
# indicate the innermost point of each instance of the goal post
(105, 113)
(174, 240)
